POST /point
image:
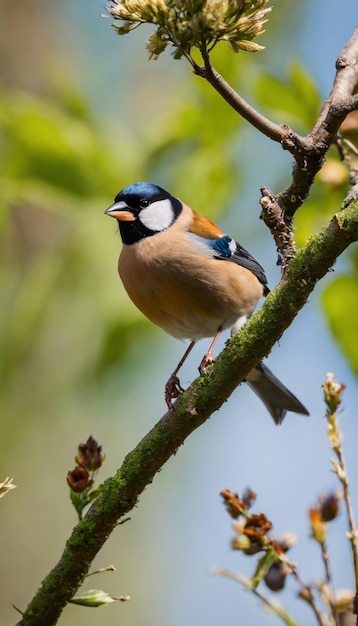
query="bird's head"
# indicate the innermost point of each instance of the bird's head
(142, 210)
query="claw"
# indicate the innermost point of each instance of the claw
(206, 360)
(208, 357)
(173, 389)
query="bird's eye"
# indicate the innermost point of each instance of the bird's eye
(144, 203)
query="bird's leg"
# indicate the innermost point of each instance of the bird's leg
(173, 388)
(208, 357)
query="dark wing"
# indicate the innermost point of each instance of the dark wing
(228, 249)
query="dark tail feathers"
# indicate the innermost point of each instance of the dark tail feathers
(275, 396)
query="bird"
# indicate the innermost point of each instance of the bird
(192, 280)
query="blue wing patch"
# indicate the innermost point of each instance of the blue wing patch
(223, 247)
(227, 248)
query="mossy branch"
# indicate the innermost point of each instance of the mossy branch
(120, 493)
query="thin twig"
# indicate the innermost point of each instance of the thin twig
(332, 393)
(352, 535)
(280, 227)
(307, 594)
(108, 568)
(345, 150)
(329, 582)
(276, 132)
(246, 583)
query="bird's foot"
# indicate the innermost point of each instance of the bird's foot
(206, 360)
(173, 389)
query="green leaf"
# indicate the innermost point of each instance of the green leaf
(340, 303)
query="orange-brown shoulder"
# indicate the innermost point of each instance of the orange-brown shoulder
(203, 227)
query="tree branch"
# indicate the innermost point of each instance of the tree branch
(314, 147)
(346, 79)
(276, 132)
(309, 152)
(119, 494)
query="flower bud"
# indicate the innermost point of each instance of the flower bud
(276, 577)
(90, 455)
(78, 479)
(318, 527)
(329, 507)
(96, 598)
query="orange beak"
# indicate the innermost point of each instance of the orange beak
(121, 211)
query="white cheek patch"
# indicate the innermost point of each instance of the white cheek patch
(158, 215)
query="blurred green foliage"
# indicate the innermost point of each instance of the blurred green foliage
(56, 175)
(62, 308)
(293, 100)
(340, 303)
(339, 298)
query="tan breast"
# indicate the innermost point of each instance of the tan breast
(181, 289)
